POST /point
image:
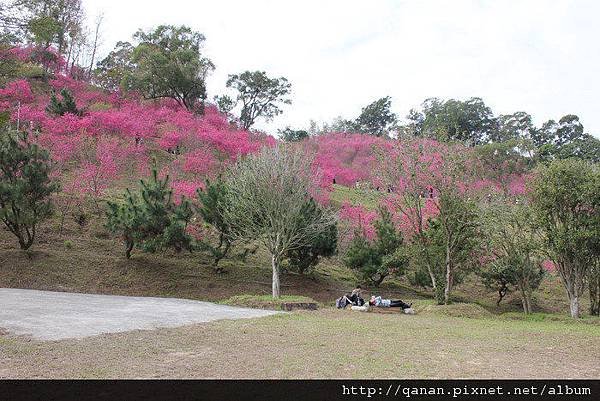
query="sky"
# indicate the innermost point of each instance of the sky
(542, 57)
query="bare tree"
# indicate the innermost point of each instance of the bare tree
(99, 19)
(267, 197)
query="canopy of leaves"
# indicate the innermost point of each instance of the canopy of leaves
(305, 258)
(116, 69)
(376, 118)
(259, 95)
(169, 63)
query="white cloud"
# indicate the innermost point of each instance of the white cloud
(538, 56)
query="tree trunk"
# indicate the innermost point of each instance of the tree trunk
(594, 287)
(275, 265)
(575, 306)
(525, 299)
(128, 248)
(432, 276)
(448, 278)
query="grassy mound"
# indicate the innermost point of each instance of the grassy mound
(265, 301)
(467, 310)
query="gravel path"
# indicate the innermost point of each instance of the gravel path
(46, 315)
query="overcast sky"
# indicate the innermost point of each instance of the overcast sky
(542, 57)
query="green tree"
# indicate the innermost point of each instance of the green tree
(259, 95)
(210, 208)
(115, 70)
(377, 118)
(150, 219)
(566, 201)
(454, 239)
(292, 135)
(267, 193)
(470, 121)
(44, 22)
(61, 107)
(385, 255)
(169, 64)
(516, 126)
(304, 258)
(25, 186)
(515, 247)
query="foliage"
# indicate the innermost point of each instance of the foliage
(169, 64)
(291, 135)
(259, 95)
(303, 259)
(386, 254)
(61, 107)
(376, 118)
(515, 251)
(25, 186)
(115, 71)
(267, 193)
(150, 219)
(210, 209)
(468, 121)
(566, 201)
(451, 242)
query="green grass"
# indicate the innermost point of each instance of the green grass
(367, 198)
(551, 317)
(265, 301)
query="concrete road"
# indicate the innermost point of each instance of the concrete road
(49, 315)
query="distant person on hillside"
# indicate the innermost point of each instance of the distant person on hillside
(388, 303)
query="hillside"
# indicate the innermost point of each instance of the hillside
(87, 259)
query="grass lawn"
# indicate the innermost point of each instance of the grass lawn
(323, 344)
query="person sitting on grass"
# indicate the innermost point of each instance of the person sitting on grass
(355, 297)
(388, 303)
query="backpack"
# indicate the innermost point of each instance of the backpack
(341, 302)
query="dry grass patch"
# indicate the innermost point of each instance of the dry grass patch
(322, 344)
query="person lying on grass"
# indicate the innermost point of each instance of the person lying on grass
(388, 303)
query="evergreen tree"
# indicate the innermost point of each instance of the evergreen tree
(384, 256)
(304, 258)
(25, 186)
(61, 107)
(150, 219)
(210, 209)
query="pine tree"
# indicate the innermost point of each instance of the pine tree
(25, 186)
(303, 259)
(210, 209)
(150, 219)
(67, 105)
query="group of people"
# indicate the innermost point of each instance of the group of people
(356, 301)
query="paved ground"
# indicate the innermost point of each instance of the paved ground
(49, 315)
